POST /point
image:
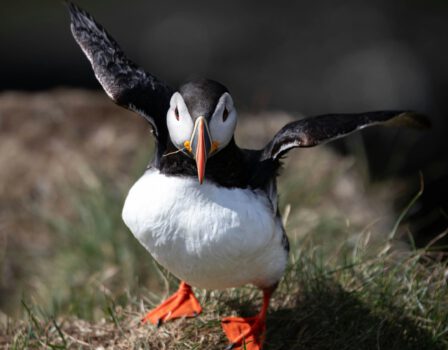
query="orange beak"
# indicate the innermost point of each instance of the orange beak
(201, 145)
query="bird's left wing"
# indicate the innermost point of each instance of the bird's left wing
(124, 82)
(313, 131)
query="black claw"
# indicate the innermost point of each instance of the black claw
(195, 314)
(159, 322)
(230, 347)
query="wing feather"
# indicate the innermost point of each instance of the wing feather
(313, 131)
(125, 83)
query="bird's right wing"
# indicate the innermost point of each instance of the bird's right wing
(124, 82)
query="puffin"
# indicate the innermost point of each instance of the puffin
(205, 208)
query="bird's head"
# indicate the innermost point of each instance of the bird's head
(201, 120)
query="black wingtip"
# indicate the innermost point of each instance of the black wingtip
(412, 120)
(423, 120)
(73, 9)
(77, 14)
(84, 25)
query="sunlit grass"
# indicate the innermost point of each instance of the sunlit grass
(391, 301)
(95, 260)
(342, 290)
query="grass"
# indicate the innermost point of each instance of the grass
(391, 301)
(85, 281)
(99, 282)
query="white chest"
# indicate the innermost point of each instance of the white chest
(209, 236)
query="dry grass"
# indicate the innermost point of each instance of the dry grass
(390, 302)
(74, 277)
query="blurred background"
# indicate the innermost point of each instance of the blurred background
(293, 58)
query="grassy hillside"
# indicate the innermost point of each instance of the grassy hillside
(74, 277)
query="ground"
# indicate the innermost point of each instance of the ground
(72, 276)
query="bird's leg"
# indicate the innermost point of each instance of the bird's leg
(183, 303)
(248, 333)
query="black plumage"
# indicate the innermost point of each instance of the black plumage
(313, 131)
(201, 96)
(131, 87)
(183, 149)
(230, 167)
(126, 84)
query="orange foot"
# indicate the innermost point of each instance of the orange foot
(248, 333)
(245, 333)
(183, 303)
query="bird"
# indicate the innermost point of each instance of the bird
(206, 209)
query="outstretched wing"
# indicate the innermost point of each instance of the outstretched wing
(313, 131)
(124, 82)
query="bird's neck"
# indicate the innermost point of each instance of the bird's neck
(227, 168)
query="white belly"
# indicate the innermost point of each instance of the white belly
(211, 237)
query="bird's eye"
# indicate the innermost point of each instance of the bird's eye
(225, 114)
(176, 113)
